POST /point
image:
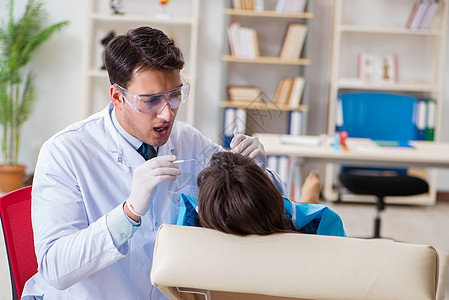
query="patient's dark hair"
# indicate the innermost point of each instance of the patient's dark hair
(236, 196)
(142, 48)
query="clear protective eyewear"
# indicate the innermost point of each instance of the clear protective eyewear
(155, 103)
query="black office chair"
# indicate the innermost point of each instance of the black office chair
(384, 117)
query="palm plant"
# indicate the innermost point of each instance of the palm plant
(19, 40)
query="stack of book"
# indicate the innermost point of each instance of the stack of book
(243, 41)
(293, 41)
(289, 91)
(244, 93)
(424, 14)
(291, 6)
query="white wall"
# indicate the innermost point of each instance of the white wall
(58, 65)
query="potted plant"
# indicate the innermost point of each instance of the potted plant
(19, 40)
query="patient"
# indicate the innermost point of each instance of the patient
(236, 196)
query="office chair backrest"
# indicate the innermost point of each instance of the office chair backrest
(379, 116)
(15, 212)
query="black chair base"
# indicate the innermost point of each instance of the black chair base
(382, 186)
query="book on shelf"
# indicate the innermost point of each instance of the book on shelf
(257, 5)
(289, 91)
(293, 42)
(430, 120)
(244, 93)
(243, 41)
(291, 6)
(296, 91)
(283, 91)
(233, 119)
(254, 42)
(431, 15)
(425, 119)
(240, 120)
(295, 122)
(412, 14)
(424, 14)
(421, 112)
(374, 67)
(280, 164)
(229, 114)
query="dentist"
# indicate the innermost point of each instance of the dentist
(103, 186)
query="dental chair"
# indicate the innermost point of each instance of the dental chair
(200, 263)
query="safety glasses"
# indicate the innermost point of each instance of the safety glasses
(155, 103)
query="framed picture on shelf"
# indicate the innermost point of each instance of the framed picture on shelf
(373, 67)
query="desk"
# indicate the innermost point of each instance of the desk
(363, 152)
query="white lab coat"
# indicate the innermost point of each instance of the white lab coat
(82, 173)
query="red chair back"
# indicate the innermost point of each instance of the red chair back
(15, 212)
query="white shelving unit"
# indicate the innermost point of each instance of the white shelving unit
(178, 19)
(365, 25)
(266, 70)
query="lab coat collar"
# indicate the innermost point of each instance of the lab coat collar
(123, 151)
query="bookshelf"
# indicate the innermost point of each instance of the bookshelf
(178, 19)
(382, 27)
(266, 69)
(238, 70)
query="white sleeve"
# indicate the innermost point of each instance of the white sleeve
(277, 181)
(68, 247)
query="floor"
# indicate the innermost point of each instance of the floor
(422, 225)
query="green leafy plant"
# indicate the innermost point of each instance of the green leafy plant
(19, 40)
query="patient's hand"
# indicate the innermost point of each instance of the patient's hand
(310, 190)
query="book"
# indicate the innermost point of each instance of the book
(412, 13)
(283, 91)
(300, 37)
(259, 5)
(237, 4)
(423, 14)
(296, 91)
(240, 120)
(290, 6)
(242, 41)
(229, 115)
(339, 116)
(244, 93)
(295, 123)
(430, 120)
(280, 6)
(281, 165)
(419, 14)
(431, 15)
(234, 39)
(272, 162)
(254, 43)
(420, 119)
(284, 167)
(286, 43)
(293, 42)
(427, 15)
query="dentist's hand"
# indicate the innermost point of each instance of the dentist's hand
(250, 147)
(146, 177)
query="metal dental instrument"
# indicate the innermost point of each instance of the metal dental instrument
(183, 160)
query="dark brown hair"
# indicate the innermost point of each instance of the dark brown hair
(236, 196)
(140, 48)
